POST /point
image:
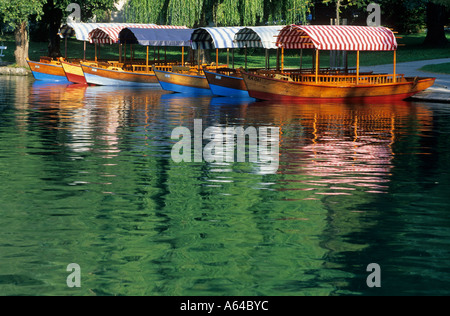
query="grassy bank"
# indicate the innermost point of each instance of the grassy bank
(437, 68)
(411, 51)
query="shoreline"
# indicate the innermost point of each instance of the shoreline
(14, 71)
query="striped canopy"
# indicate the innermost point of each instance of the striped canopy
(214, 37)
(81, 30)
(110, 34)
(337, 37)
(258, 36)
(156, 37)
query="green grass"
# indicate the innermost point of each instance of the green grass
(412, 51)
(437, 68)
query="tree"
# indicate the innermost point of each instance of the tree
(16, 14)
(196, 13)
(437, 16)
(55, 13)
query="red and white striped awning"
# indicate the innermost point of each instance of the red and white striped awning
(110, 34)
(337, 37)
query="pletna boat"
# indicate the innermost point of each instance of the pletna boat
(183, 79)
(131, 71)
(192, 79)
(334, 84)
(73, 71)
(47, 69)
(228, 81)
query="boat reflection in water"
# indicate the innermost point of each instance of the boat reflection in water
(103, 154)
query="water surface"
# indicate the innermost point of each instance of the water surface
(87, 177)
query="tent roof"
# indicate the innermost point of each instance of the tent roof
(81, 30)
(337, 37)
(156, 37)
(110, 34)
(214, 37)
(258, 36)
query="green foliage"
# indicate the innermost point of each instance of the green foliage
(15, 12)
(193, 13)
(185, 12)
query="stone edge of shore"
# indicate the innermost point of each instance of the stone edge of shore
(14, 71)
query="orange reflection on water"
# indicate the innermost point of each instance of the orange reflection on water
(341, 147)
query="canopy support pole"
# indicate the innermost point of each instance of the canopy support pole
(84, 50)
(282, 58)
(95, 52)
(395, 66)
(146, 61)
(120, 53)
(357, 67)
(217, 58)
(228, 57)
(317, 66)
(182, 55)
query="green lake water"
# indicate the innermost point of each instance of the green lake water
(87, 177)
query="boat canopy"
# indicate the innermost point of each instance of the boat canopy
(81, 30)
(337, 37)
(110, 34)
(156, 37)
(258, 36)
(214, 37)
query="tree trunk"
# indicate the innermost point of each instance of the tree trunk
(54, 16)
(21, 37)
(436, 17)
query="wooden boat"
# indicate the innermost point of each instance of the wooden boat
(74, 72)
(192, 79)
(114, 75)
(338, 84)
(132, 72)
(183, 79)
(47, 69)
(226, 82)
(298, 87)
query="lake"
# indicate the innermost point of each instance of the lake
(88, 177)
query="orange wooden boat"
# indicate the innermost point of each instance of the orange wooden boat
(113, 75)
(338, 84)
(47, 69)
(183, 79)
(292, 87)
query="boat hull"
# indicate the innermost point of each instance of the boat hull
(107, 77)
(224, 85)
(261, 87)
(47, 72)
(183, 83)
(74, 72)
